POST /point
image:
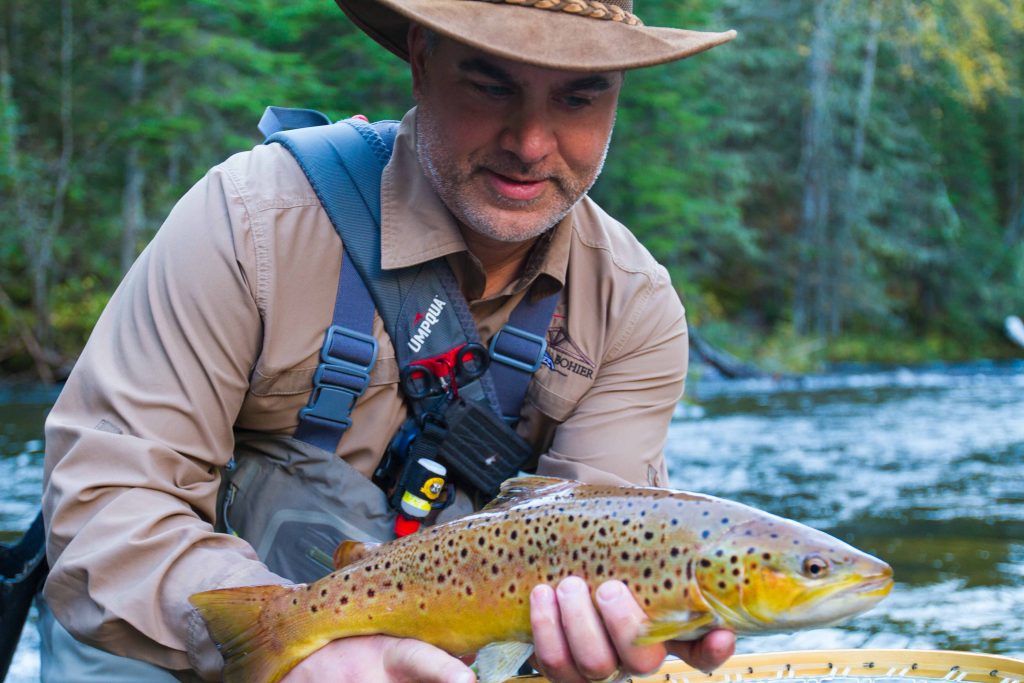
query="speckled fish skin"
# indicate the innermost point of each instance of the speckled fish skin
(693, 562)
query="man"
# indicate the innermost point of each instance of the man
(211, 342)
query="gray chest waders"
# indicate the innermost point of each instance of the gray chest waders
(293, 498)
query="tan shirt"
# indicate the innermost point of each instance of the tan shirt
(218, 325)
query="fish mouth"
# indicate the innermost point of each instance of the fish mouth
(874, 586)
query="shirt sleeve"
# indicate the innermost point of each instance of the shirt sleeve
(617, 432)
(135, 440)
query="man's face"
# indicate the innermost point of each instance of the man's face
(509, 148)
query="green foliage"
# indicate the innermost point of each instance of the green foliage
(921, 248)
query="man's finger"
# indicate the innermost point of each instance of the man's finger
(591, 648)
(551, 648)
(708, 653)
(406, 659)
(624, 619)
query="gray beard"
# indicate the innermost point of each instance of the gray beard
(447, 179)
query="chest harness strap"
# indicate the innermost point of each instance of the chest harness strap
(465, 400)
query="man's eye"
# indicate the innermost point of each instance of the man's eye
(576, 101)
(496, 91)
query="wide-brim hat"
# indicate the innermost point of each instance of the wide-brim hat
(571, 35)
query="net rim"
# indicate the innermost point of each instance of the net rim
(933, 665)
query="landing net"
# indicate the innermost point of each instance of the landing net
(847, 666)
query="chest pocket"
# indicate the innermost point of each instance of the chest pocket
(566, 376)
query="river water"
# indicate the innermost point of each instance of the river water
(922, 467)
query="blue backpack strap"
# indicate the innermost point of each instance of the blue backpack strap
(517, 351)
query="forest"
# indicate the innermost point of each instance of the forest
(844, 182)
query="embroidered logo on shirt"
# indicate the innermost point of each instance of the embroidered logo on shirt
(426, 322)
(564, 356)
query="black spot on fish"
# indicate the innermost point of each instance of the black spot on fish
(705, 563)
(649, 535)
(494, 569)
(400, 586)
(647, 572)
(513, 534)
(675, 552)
(625, 555)
(766, 556)
(481, 541)
(734, 559)
(721, 584)
(343, 600)
(440, 578)
(370, 592)
(469, 590)
(323, 593)
(312, 608)
(463, 552)
(295, 601)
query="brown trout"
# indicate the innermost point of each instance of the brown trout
(694, 562)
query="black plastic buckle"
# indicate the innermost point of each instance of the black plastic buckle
(343, 375)
(527, 357)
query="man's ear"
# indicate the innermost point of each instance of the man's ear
(416, 42)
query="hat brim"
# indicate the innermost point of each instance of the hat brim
(551, 39)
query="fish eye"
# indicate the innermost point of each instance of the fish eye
(815, 566)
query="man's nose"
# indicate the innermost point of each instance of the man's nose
(529, 135)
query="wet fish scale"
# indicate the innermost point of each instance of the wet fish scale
(692, 561)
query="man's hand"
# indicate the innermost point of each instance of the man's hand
(379, 659)
(576, 643)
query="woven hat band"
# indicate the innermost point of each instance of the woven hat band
(613, 10)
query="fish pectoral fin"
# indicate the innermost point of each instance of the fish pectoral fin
(676, 626)
(348, 552)
(498, 662)
(530, 486)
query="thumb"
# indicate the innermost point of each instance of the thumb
(406, 659)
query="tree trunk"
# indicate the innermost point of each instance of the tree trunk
(845, 250)
(812, 249)
(45, 232)
(134, 176)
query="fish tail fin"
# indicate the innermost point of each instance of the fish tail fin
(252, 651)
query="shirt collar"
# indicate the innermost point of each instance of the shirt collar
(417, 227)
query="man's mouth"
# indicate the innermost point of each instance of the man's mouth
(515, 188)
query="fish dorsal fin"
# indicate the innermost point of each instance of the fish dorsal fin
(498, 662)
(518, 489)
(348, 552)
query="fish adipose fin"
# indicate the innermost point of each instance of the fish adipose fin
(532, 486)
(498, 662)
(676, 626)
(252, 653)
(348, 552)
